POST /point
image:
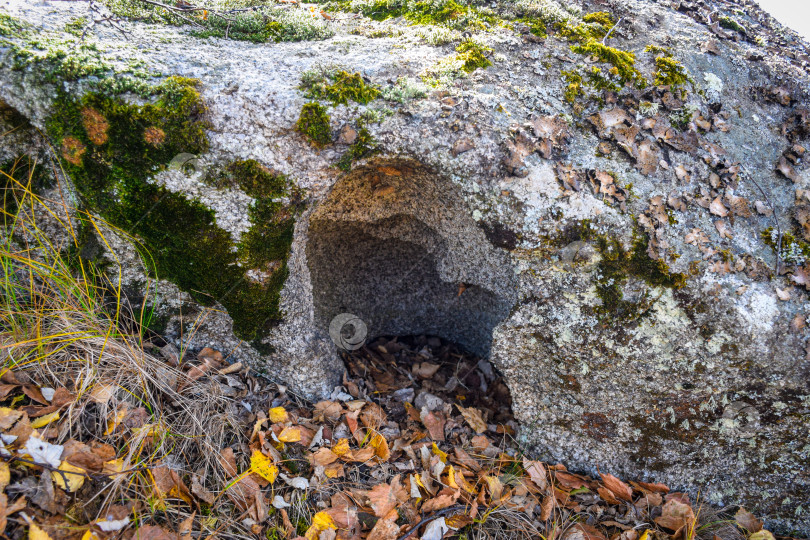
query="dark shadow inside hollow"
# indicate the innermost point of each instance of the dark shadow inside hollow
(411, 261)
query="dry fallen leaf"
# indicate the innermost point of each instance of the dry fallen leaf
(263, 466)
(747, 521)
(473, 418)
(290, 435)
(675, 514)
(537, 472)
(64, 478)
(385, 497)
(617, 487)
(718, 208)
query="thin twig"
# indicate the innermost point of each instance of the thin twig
(432, 517)
(778, 247)
(611, 30)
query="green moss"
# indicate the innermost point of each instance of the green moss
(364, 146)
(472, 54)
(617, 265)
(452, 14)
(601, 18)
(112, 148)
(251, 177)
(574, 88)
(76, 26)
(256, 21)
(11, 26)
(730, 24)
(54, 57)
(668, 71)
(793, 250)
(622, 62)
(338, 86)
(313, 123)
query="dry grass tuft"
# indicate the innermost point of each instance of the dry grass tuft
(62, 325)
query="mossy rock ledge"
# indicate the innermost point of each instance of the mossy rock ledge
(617, 218)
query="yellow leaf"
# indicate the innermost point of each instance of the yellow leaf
(645, 534)
(341, 448)
(438, 452)
(473, 418)
(290, 434)
(115, 421)
(68, 482)
(113, 466)
(35, 533)
(320, 522)
(263, 466)
(451, 477)
(380, 446)
(90, 535)
(5, 475)
(43, 421)
(279, 415)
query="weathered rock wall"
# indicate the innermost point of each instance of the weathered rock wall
(605, 226)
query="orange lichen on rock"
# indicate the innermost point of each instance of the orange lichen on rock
(73, 150)
(95, 125)
(154, 136)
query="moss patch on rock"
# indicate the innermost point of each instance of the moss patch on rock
(618, 265)
(338, 87)
(473, 55)
(253, 20)
(313, 123)
(179, 237)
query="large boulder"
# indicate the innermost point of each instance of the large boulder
(610, 201)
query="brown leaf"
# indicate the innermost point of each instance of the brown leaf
(323, 457)
(327, 411)
(464, 459)
(386, 528)
(434, 422)
(718, 208)
(244, 493)
(537, 472)
(445, 499)
(747, 521)
(786, 169)
(473, 418)
(582, 531)
(8, 417)
(373, 416)
(34, 393)
(619, 488)
(722, 228)
(386, 497)
(153, 532)
(571, 481)
(675, 515)
(546, 508)
(607, 495)
(227, 461)
(186, 527)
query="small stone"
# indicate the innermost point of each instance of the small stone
(462, 145)
(348, 135)
(426, 399)
(404, 394)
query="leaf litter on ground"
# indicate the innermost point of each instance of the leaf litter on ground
(418, 444)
